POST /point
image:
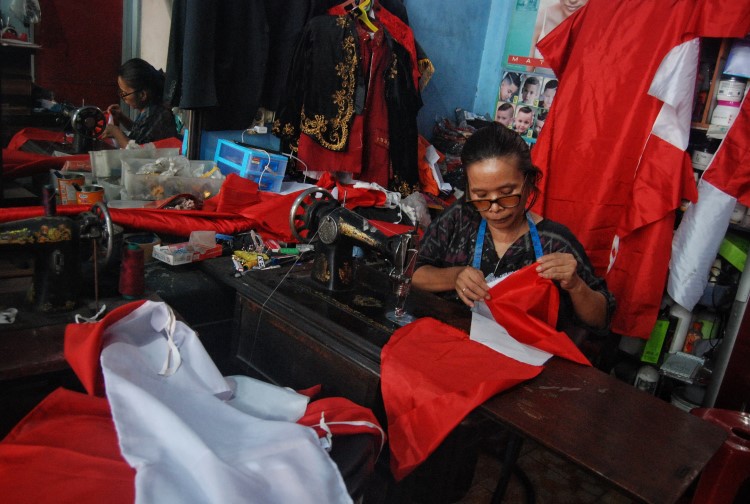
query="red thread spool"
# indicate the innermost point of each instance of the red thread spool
(132, 283)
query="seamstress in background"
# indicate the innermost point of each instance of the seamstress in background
(501, 186)
(141, 87)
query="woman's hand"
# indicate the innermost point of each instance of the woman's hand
(590, 306)
(561, 267)
(113, 131)
(110, 131)
(115, 112)
(471, 286)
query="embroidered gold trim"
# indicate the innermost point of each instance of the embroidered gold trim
(317, 126)
(393, 71)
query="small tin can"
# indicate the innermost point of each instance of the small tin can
(66, 187)
(90, 194)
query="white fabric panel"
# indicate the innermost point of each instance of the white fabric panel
(674, 84)
(265, 400)
(696, 243)
(188, 445)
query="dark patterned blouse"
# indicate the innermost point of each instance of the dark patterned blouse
(450, 240)
(154, 123)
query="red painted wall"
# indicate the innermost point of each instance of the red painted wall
(81, 50)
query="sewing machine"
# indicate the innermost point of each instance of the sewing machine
(317, 217)
(57, 245)
(86, 123)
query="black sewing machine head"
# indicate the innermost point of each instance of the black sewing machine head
(88, 124)
(55, 241)
(317, 217)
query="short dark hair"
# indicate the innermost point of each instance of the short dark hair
(531, 80)
(525, 109)
(497, 141)
(504, 106)
(513, 77)
(551, 84)
(142, 76)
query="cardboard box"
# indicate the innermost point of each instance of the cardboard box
(184, 253)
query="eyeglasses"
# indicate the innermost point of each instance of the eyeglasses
(509, 201)
(123, 94)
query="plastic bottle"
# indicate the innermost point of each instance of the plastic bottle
(647, 379)
(694, 335)
(654, 347)
(684, 317)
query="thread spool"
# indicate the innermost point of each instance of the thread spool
(49, 201)
(132, 282)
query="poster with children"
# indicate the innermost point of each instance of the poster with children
(526, 82)
(523, 101)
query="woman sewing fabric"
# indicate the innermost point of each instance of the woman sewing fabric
(141, 87)
(491, 233)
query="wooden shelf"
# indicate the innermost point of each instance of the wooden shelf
(718, 69)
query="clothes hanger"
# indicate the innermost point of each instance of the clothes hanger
(360, 8)
(363, 9)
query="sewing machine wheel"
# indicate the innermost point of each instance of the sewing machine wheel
(302, 214)
(88, 121)
(105, 242)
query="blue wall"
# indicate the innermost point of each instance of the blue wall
(464, 39)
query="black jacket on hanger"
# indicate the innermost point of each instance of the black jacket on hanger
(326, 88)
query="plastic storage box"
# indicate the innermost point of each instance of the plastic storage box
(156, 186)
(264, 168)
(108, 163)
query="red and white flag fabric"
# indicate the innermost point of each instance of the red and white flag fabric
(432, 374)
(697, 240)
(613, 147)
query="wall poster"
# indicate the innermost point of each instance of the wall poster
(528, 86)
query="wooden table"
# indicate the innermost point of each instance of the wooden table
(292, 332)
(647, 448)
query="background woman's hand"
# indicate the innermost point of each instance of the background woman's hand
(115, 112)
(109, 131)
(471, 286)
(561, 267)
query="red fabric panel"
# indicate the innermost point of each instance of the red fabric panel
(526, 305)
(235, 195)
(342, 416)
(641, 251)
(17, 163)
(65, 450)
(605, 151)
(730, 167)
(432, 376)
(83, 345)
